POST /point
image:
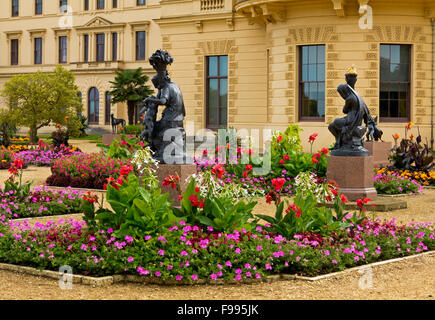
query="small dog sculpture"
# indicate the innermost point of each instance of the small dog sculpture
(115, 122)
(373, 132)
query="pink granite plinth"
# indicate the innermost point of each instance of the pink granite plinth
(380, 151)
(183, 171)
(109, 137)
(354, 176)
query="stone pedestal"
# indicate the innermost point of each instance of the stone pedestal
(380, 151)
(107, 138)
(183, 171)
(354, 176)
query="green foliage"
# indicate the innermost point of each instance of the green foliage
(222, 212)
(311, 218)
(41, 99)
(137, 209)
(129, 85)
(288, 144)
(78, 128)
(133, 129)
(124, 148)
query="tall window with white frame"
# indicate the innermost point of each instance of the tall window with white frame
(100, 4)
(217, 92)
(15, 8)
(38, 7)
(394, 95)
(14, 51)
(100, 47)
(38, 51)
(141, 2)
(140, 45)
(312, 83)
(63, 49)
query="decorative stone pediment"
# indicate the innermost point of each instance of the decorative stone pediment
(100, 23)
(97, 22)
(262, 12)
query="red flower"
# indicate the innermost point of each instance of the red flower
(13, 170)
(314, 160)
(286, 157)
(324, 151)
(278, 183)
(18, 163)
(248, 167)
(269, 198)
(312, 137)
(361, 202)
(204, 153)
(218, 170)
(295, 209)
(279, 138)
(343, 198)
(250, 152)
(281, 161)
(170, 181)
(195, 201)
(245, 174)
(125, 170)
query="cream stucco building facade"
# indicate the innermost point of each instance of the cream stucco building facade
(246, 63)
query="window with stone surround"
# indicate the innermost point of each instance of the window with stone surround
(15, 8)
(93, 105)
(38, 51)
(394, 92)
(140, 2)
(100, 4)
(312, 83)
(217, 92)
(86, 47)
(63, 49)
(140, 45)
(100, 45)
(14, 51)
(38, 7)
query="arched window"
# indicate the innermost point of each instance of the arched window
(107, 108)
(93, 105)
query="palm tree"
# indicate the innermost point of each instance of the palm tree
(130, 86)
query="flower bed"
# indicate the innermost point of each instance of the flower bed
(192, 253)
(393, 183)
(287, 161)
(84, 170)
(425, 178)
(41, 201)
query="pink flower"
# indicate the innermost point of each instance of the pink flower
(130, 259)
(194, 277)
(268, 266)
(161, 252)
(179, 277)
(228, 264)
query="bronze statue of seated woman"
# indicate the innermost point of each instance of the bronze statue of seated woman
(348, 131)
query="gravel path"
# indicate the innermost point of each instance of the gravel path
(410, 279)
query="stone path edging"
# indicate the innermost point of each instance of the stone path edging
(110, 280)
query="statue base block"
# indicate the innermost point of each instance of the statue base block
(183, 171)
(107, 138)
(354, 176)
(380, 151)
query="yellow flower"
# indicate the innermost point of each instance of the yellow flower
(408, 125)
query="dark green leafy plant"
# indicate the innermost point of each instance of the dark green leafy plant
(221, 212)
(305, 216)
(411, 155)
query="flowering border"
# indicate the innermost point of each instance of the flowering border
(114, 279)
